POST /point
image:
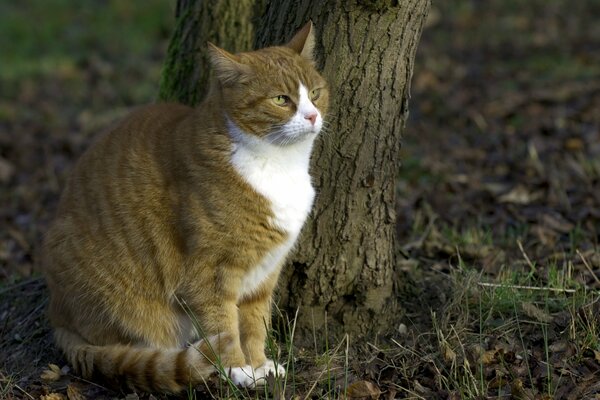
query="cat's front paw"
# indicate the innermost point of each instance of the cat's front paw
(248, 377)
(242, 376)
(270, 368)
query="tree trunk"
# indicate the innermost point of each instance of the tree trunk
(343, 276)
(228, 23)
(344, 266)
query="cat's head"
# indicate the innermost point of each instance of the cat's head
(275, 93)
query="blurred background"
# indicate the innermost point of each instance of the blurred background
(503, 144)
(67, 69)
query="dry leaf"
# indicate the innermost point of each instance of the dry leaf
(363, 390)
(53, 396)
(489, 357)
(536, 313)
(557, 222)
(73, 393)
(519, 195)
(597, 355)
(7, 170)
(390, 394)
(52, 374)
(574, 144)
(518, 390)
(559, 346)
(448, 353)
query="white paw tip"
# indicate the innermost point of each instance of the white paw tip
(242, 376)
(248, 377)
(268, 368)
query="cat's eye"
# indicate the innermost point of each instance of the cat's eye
(315, 94)
(281, 100)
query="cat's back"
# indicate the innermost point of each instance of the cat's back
(152, 117)
(132, 148)
(144, 127)
(122, 174)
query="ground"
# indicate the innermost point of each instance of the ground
(498, 197)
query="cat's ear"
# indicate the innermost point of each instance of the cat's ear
(227, 67)
(303, 41)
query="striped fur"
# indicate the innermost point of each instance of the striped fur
(145, 368)
(166, 218)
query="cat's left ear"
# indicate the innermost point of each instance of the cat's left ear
(227, 66)
(303, 41)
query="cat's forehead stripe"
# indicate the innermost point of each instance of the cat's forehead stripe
(289, 69)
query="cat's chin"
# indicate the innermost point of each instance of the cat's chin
(284, 140)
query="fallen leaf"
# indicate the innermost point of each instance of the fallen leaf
(391, 394)
(560, 346)
(519, 391)
(448, 353)
(363, 390)
(489, 357)
(7, 170)
(557, 222)
(402, 329)
(53, 396)
(548, 237)
(73, 393)
(519, 195)
(574, 144)
(52, 374)
(536, 313)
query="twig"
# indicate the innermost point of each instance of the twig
(78, 378)
(588, 266)
(525, 255)
(407, 390)
(497, 285)
(24, 392)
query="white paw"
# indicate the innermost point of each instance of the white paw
(248, 377)
(269, 368)
(242, 376)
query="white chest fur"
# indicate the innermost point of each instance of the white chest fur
(280, 174)
(276, 166)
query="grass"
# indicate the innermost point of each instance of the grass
(511, 314)
(330, 374)
(484, 341)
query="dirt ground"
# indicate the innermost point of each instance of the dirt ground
(498, 201)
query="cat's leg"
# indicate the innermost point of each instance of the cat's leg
(216, 311)
(221, 317)
(255, 320)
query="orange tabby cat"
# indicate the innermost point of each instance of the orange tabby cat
(199, 207)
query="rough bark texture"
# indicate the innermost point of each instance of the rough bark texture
(227, 23)
(343, 273)
(344, 266)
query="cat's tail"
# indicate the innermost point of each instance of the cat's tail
(144, 368)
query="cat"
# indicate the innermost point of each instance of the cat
(178, 218)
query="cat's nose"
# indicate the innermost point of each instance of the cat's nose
(312, 117)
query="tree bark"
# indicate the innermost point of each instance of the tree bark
(344, 266)
(228, 23)
(343, 276)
